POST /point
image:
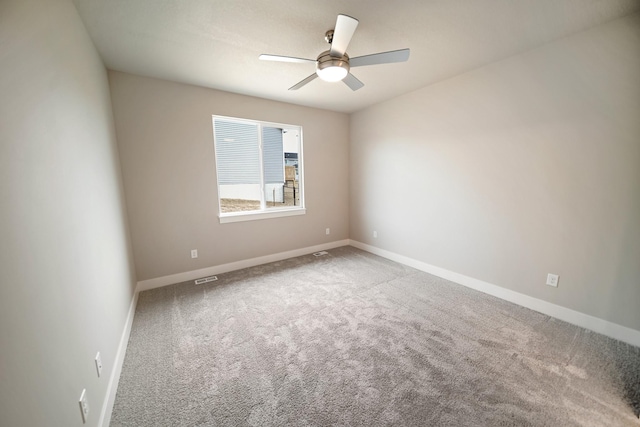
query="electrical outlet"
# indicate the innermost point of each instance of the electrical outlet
(328, 231)
(194, 253)
(375, 234)
(552, 280)
(84, 406)
(98, 364)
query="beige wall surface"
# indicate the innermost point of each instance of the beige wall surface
(524, 167)
(165, 138)
(66, 274)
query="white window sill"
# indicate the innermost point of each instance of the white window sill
(253, 216)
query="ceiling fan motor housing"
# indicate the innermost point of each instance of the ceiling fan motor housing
(327, 66)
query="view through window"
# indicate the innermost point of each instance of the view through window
(259, 166)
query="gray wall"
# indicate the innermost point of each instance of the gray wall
(66, 277)
(165, 138)
(525, 167)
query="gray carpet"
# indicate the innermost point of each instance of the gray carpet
(353, 339)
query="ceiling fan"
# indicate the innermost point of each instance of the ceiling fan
(334, 64)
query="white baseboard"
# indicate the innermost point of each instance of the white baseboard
(158, 282)
(586, 321)
(112, 387)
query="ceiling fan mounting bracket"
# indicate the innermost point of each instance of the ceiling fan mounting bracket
(328, 36)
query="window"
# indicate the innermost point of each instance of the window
(259, 168)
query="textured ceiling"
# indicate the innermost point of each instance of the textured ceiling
(216, 43)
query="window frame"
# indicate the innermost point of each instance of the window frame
(264, 212)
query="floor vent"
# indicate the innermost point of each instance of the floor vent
(321, 253)
(206, 280)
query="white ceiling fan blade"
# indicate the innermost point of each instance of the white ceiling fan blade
(352, 82)
(380, 58)
(303, 82)
(345, 27)
(279, 58)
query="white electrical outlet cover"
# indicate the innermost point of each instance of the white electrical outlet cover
(552, 280)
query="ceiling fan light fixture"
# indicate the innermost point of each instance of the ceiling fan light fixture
(332, 74)
(332, 69)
